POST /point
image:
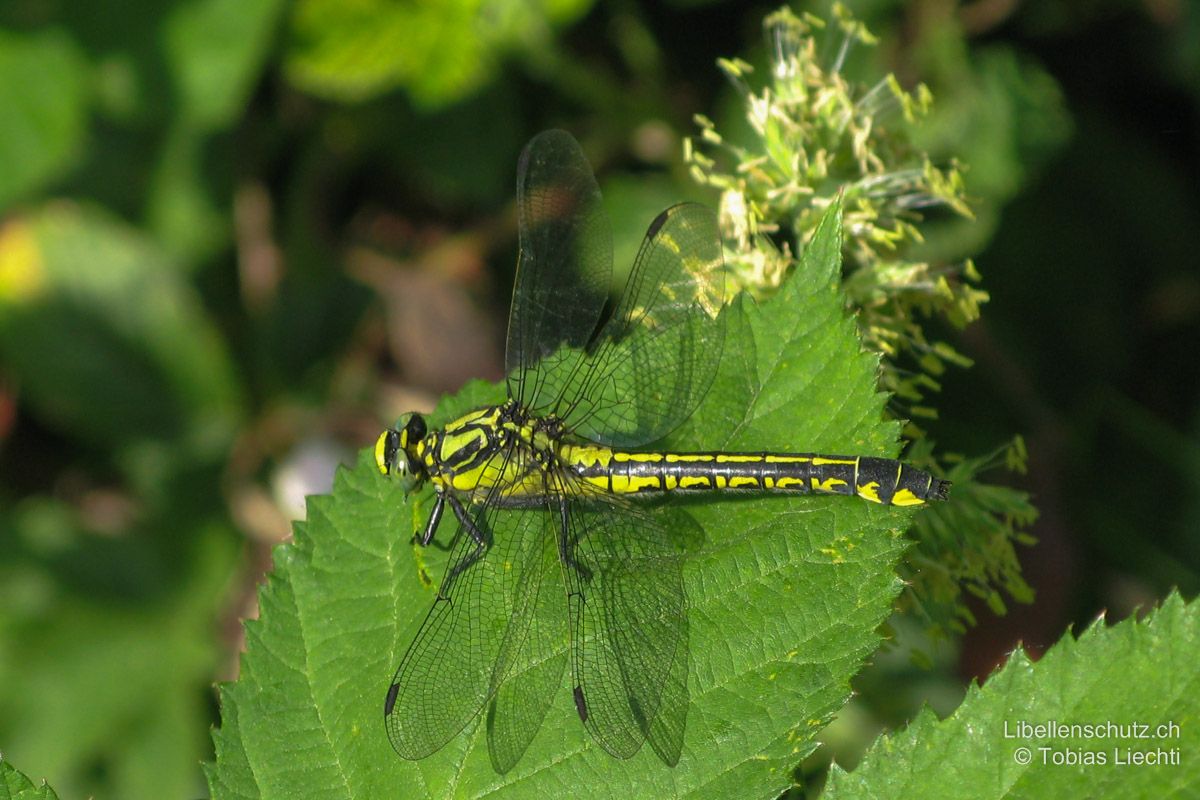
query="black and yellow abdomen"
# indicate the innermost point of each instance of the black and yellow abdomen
(503, 454)
(880, 480)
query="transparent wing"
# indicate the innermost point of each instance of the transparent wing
(564, 267)
(628, 617)
(522, 700)
(466, 644)
(655, 358)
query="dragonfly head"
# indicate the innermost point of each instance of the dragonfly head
(396, 450)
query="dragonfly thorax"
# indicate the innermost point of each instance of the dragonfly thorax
(462, 457)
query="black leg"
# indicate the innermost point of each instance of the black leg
(468, 525)
(434, 519)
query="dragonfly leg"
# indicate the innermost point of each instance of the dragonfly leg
(567, 543)
(468, 525)
(431, 527)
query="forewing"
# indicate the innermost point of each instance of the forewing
(628, 614)
(464, 648)
(563, 270)
(654, 360)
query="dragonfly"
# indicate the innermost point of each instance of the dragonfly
(564, 550)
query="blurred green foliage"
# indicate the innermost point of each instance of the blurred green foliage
(438, 52)
(42, 85)
(236, 236)
(122, 371)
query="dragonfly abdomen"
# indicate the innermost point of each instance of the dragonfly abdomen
(880, 480)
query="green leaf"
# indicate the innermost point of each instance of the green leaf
(105, 336)
(439, 51)
(102, 334)
(785, 595)
(1140, 672)
(15, 786)
(42, 92)
(181, 212)
(215, 50)
(107, 696)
